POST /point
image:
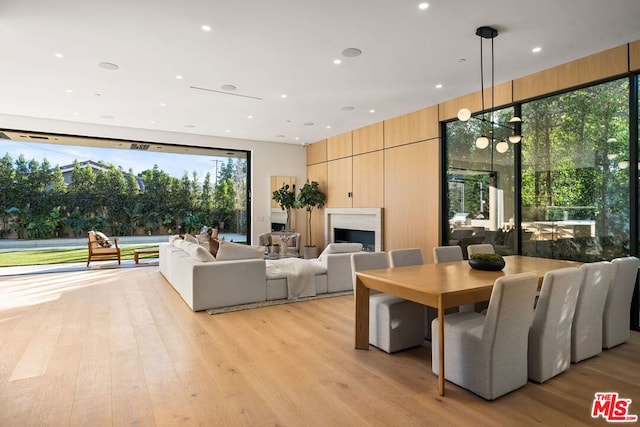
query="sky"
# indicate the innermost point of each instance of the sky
(61, 155)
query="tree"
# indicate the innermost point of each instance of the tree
(310, 197)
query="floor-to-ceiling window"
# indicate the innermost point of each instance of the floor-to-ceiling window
(575, 174)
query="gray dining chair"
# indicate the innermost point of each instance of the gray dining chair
(615, 318)
(549, 351)
(394, 323)
(586, 329)
(451, 254)
(488, 354)
(405, 257)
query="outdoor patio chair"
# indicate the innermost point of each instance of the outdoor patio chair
(101, 248)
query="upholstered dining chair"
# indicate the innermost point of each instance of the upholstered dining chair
(586, 329)
(488, 354)
(394, 323)
(550, 334)
(615, 318)
(481, 248)
(405, 257)
(451, 254)
(447, 254)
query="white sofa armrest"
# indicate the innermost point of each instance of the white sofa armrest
(338, 271)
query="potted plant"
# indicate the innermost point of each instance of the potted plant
(488, 262)
(285, 196)
(310, 197)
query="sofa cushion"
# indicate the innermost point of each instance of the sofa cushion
(174, 238)
(197, 252)
(231, 250)
(341, 248)
(190, 238)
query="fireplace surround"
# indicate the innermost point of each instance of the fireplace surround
(357, 220)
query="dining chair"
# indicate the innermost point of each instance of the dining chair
(549, 350)
(447, 254)
(451, 254)
(407, 257)
(615, 318)
(488, 354)
(394, 323)
(480, 248)
(586, 329)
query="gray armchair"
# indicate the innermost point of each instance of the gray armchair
(278, 238)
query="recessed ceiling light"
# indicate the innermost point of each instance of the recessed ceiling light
(59, 55)
(438, 86)
(206, 28)
(76, 114)
(249, 117)
(179, 77)
(284, 95)
(228, 131)
(536, 49)
(297, 138)
(153, 122)
(69, 91)
(351, 52)
(162, 104)
(328, 127)
(108, 66)
(348, 108)
(337, 61)
(423, 6)
(372, 111)
(228, 87)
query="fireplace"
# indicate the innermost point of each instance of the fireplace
(362, 225)
(367, 238)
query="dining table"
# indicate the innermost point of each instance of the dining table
(440, 286)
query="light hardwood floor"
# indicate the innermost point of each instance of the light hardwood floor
(119, 347)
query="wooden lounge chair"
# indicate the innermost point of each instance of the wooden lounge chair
(102, 249)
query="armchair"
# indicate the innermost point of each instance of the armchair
(102, 248)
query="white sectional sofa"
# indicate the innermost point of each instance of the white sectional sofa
(240, 275)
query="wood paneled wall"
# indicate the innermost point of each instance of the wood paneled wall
(401, 171)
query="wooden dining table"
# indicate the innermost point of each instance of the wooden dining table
(440, 286)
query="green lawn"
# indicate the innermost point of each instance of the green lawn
(60, 256)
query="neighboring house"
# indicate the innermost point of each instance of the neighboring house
(67, 171)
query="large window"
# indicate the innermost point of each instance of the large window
(575, 174)
(480, 185)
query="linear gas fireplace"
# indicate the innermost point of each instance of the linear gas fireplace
(361, 225)
(367, 238)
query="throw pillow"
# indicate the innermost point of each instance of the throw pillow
(199, 253)
(102, 240)
(190, 238)
(231, 250)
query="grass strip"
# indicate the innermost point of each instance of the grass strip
(61, 256)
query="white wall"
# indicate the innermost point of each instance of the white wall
(267, 158)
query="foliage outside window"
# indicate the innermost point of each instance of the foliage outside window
(575, 174)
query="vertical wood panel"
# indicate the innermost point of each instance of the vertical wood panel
(368, 180)
(417, 126)
(449, 110)
(317, 173)
(605, 64)
(317, 152)
(369, 138)
(339, 183)
(339, 146)
(411, 197)
(634, 55)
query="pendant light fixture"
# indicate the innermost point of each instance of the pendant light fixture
(513, 126)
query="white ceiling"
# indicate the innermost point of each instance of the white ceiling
(270, 48)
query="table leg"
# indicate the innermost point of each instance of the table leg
(362, 316)
(136, 257)
(441, 346)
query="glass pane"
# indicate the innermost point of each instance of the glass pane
(480, 195)
(575, 174)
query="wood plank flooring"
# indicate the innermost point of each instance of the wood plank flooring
(119, 347)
